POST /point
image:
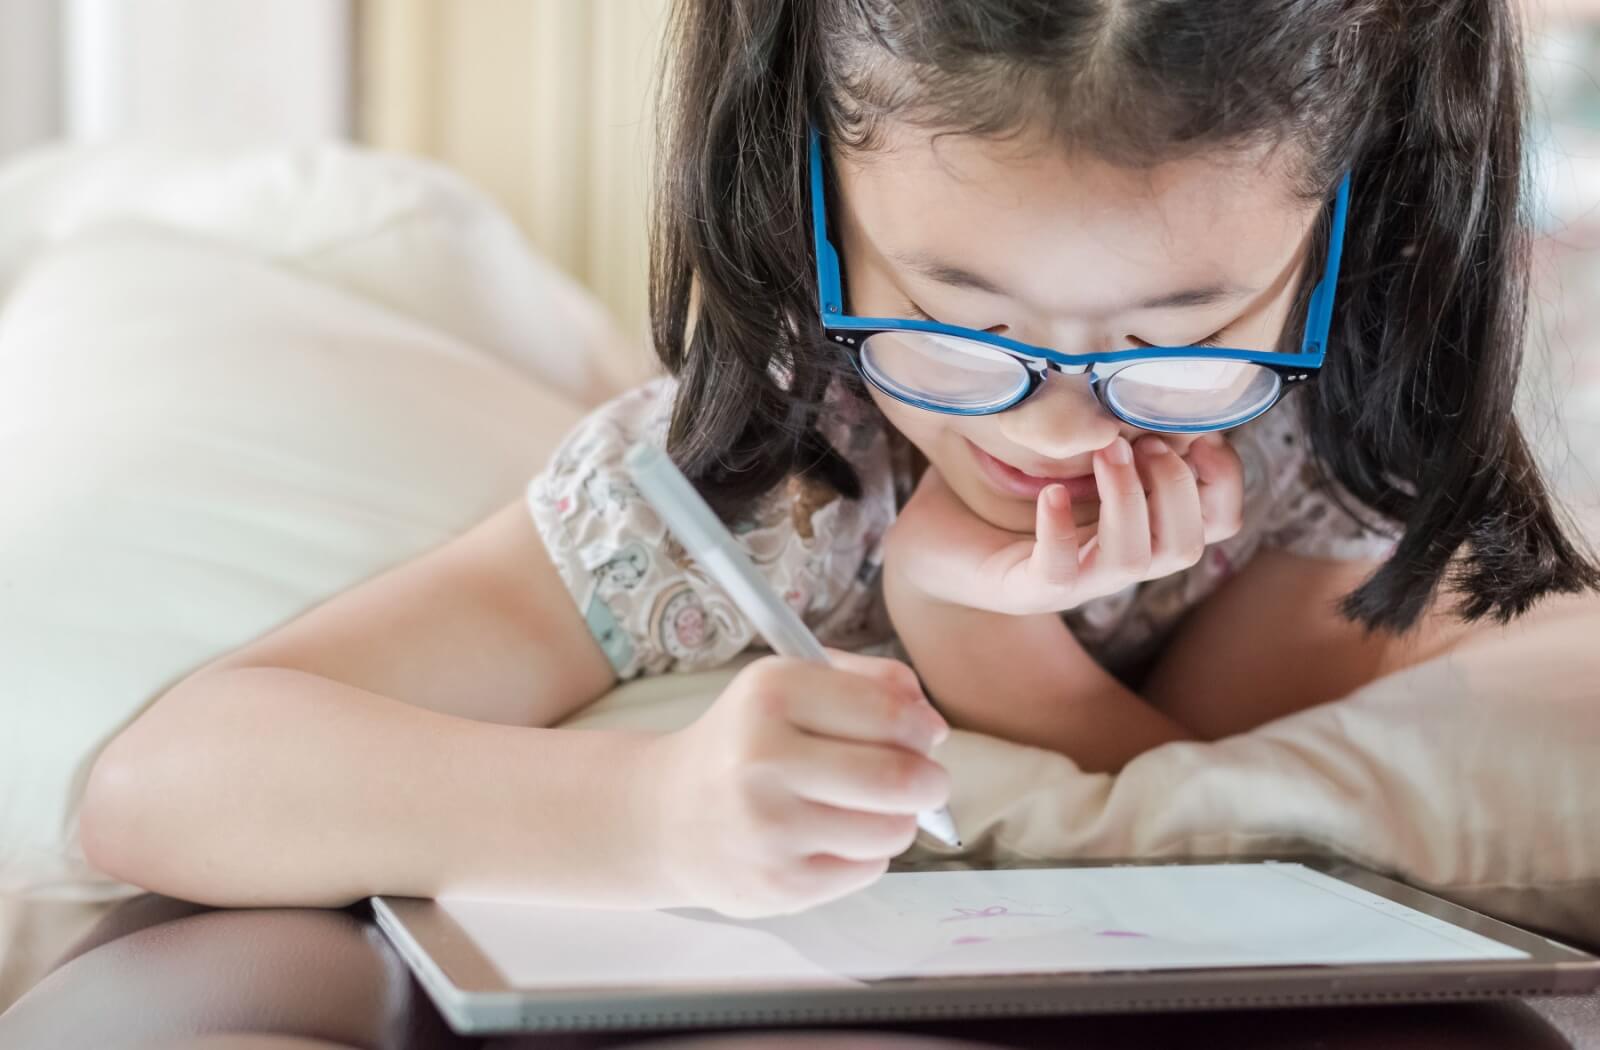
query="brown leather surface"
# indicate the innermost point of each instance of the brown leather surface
(163, 974)
(318, 975)
(254, 1042)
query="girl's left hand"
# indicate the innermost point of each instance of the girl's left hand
(1157, 513)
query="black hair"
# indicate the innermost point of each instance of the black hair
(1423, 101)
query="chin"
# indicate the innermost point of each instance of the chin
(1010, 513)
(1003, 512)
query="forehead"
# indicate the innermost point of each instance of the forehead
(1071, 232)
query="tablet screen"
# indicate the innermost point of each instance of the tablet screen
(971, 923)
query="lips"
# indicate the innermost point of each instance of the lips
(1010, 481)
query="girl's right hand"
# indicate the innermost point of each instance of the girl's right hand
(797, 786)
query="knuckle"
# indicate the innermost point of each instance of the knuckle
(780, 883)
(913, 780)
(766, 700)
(1130, 490)
(754, 773)
(899, 715)
(764, 676)
(887, 703)
(901, 773)
(1061, 571)
(1137, 561)
(906, 676)
(769, 839)
(1172, 470)
(1178, 472)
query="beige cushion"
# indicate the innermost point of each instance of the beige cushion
(1473, 775)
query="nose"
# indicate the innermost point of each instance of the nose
(1063, 419)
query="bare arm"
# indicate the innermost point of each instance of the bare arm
(1271, 642)
(1023, 678)
(355, 750)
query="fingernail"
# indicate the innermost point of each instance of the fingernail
(1120, 452)
(1057, 494)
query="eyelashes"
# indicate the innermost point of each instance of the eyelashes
(917, 313)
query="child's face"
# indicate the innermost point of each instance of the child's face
(1072, 247)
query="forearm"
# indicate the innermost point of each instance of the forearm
(1024, 678)
(266, 786)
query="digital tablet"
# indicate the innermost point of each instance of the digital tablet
(950, 941)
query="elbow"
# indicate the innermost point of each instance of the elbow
(130, 817)
(114, 810)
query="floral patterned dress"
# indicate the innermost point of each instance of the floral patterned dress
(654, 611)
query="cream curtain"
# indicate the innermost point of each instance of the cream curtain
(543, 103)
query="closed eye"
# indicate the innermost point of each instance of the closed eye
(921, 315)
(1212, 340)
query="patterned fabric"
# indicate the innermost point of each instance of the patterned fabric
(654, 611)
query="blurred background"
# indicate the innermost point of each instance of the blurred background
(544, 104)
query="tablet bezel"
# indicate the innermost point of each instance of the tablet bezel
(475, 997)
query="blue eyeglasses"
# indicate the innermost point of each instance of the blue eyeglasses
(966, 372)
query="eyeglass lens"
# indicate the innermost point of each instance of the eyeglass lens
(962, 375)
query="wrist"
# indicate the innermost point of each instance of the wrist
(573, 822)
(649, 814)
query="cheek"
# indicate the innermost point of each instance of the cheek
(942, 440)
(938, 437)
(920, 428)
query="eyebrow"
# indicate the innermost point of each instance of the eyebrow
(955, 276)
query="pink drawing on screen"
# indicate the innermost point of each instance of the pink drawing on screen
(991, 912)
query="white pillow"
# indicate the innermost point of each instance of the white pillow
(197, 444)
(1472, 775)
(398, 230)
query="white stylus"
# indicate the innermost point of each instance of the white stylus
(708, 541)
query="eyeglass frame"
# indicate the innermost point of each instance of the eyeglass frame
(852, 331)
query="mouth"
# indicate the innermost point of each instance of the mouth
(1015, 482)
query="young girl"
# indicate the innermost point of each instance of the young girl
(918, 274)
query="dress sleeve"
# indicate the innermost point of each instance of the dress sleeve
(1306, 512)
(647, 606)
(651, 607)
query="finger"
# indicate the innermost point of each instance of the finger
(829, 878)
(1177, 531)
(1220, 477)
(868, 777)
(832, 702)
(815, 827)
(895, 675)
(1054, 560)
(1122, 544)
(892, 674)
